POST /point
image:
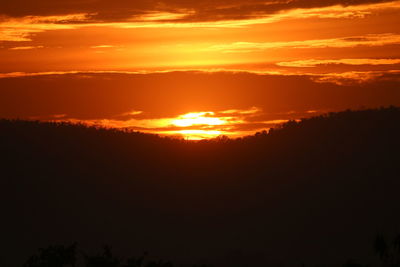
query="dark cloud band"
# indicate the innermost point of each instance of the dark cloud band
(206, 10)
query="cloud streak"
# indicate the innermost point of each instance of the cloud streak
(26, 47)
(344, 42)
(21, 29)
(175, 14)
(122, 10)
(360, 77)
(335, 77)
(309, 63)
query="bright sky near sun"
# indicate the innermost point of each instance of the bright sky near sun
(81, 43)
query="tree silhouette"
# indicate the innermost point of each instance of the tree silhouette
(389, 253)
(135, 262)
(54, 256)
(106, 259)
(381, 247)
(352, 263)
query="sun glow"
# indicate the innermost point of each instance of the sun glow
(200, 119)
(199, 134)
(197, 118)
(189, 126)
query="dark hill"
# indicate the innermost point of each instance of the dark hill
(314, 192)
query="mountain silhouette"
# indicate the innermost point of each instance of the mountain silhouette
(315, 191)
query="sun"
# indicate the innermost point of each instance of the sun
(198, 125)
(198, 118)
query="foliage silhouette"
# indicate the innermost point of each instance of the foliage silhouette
(66, 256)
(106, 259)
(388, 252)
(54, 256)
(352, 263)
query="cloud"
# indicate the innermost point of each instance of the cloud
(344, 42)
(132, 113)
(141, 72)
(72, 72)
(21, 29)
(252, 110)
(163, 16)
(59, 116)
(357, 77)
(21, 18)
(26, 47)
(102, 46)
(120, 10)
(308, 63)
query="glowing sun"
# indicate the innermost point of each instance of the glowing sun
(197, 118)
(204, 121)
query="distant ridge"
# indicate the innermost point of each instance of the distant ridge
(315, 191)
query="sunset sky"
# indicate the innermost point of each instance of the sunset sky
(196, 68)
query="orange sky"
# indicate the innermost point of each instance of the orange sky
(151, 62)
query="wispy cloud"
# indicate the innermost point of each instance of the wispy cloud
(59, 116)
(21, 29)
(192, 15)
(335, 77)
(142, 72)
(252, 110)
(132, 113)
(353, 61)
(26, 47)
(344, 42)
(352, 77)
(102, 46)
(257, 16)
(199, 11)
(163, 16)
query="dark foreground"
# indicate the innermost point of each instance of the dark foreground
(316, 192)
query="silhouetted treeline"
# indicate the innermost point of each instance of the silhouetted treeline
(62, 256)
(313, 191)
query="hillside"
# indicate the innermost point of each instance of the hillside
(315, 191)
